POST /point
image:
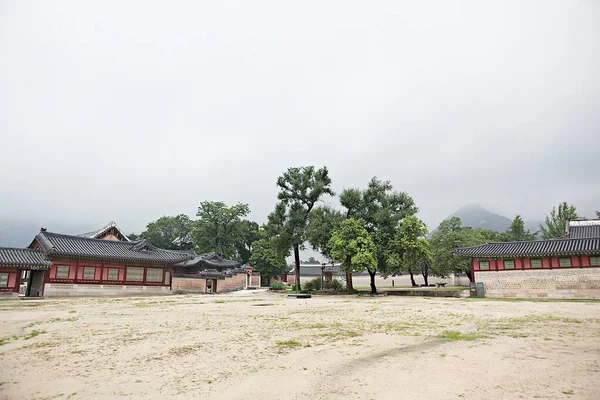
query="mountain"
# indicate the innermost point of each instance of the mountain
(476, 216)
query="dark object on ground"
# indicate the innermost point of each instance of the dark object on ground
(441, 284)
(299, 296)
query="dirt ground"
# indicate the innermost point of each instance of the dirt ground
(266, 346)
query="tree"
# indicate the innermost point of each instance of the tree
(449, 236)
(267, 260)
(133, 236)
(597, 214)
(352, 244)
(218, 227)
(409, 249)
(382, 211)
(556, 222)
(322, 222)
(248, 233)
(300, 189)
(172, 233)
(517, 232)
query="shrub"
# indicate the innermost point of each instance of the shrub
(312, 285)
(334, 285)
(277, 285)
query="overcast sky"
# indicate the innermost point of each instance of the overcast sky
(127, 111)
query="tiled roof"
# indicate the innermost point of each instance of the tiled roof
(208, 261)
(584, 228)
(553, 247)
(97, 234)
(23, 258)
(212, 273)
(55, 244)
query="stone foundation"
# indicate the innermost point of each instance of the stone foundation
(69, 290)
(567, 283)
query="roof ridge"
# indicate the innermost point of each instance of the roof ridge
(19, 248)
(130, 243)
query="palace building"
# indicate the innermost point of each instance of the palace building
(107, 262)
(567, 267)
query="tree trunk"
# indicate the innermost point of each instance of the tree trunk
(469, 275)
(297, 266)
(349, 285)
(425, 276)
(412, 278)
(373, 288)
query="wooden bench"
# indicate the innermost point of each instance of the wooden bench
(299, 296)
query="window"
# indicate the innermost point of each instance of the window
(154, 275)
(62, 272)
(564, 261)
(89, 273)
(113, 274)
(3, 279)
(509, 264)
(484, 265)
(536, 263)
(135, 274)
(595, 260)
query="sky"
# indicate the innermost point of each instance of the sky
(130, 110)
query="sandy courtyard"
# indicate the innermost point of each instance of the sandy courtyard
(265, 346)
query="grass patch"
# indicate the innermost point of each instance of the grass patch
(288, 343)
(32, 334)
(455, 335)
(184, 350)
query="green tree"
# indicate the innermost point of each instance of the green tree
(300, 189)
(267, 260)
(382, 209)
(133, 236)
(409, 249)
(218, 227)
(597, 214)
(172, 233)
(517, 232)
(248, 233)
(352, 244)
(556, 222)
(447, 237)
(323, 221)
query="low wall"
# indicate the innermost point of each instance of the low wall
(67, 290)
(191, 283)
(428, 293)
(568, 283)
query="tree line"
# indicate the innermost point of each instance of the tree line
(377, 230)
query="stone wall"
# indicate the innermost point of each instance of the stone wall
(68, 290)
(255, 281)
(236, 282)
(552, 283)
(198, 285)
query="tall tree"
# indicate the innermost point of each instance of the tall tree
(382, 209)
(300, 190)
(556, 222)
(218, 227)
(323, 221)
(447, 237)
(517, 232)
(267, 260)
(409, 249)
(351, 243)
(172, 233)
(248, 233)
(597, 214)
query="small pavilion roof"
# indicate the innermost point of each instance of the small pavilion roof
(208, 261)
(583, 228)
(23, 258)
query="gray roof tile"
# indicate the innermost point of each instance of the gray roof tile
(207, 261)
(552, 247)
(23, 258)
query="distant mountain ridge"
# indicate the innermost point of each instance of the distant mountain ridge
(475, 216)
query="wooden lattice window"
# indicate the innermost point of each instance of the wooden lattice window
(564, 261)
(62, 272)
(135, 274)
(509, 264)
(595, 260)
(154, 275)
(89, 273)
(4, 279)
(484, 265)
(536, 263)
(113, 274)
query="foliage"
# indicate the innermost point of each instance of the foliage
(352, 244)
(218, 227)
(312, 285)
(267, 260)
(450, 235)
(248, 233)
(334, 285)
(323, 221)
(517, 232)
(172, 233)
(300, 189)
(277, 285)
(382, 211)
(557, 220)
(311, 260)
(409, 250)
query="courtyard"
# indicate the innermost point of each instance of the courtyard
(262, 345)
